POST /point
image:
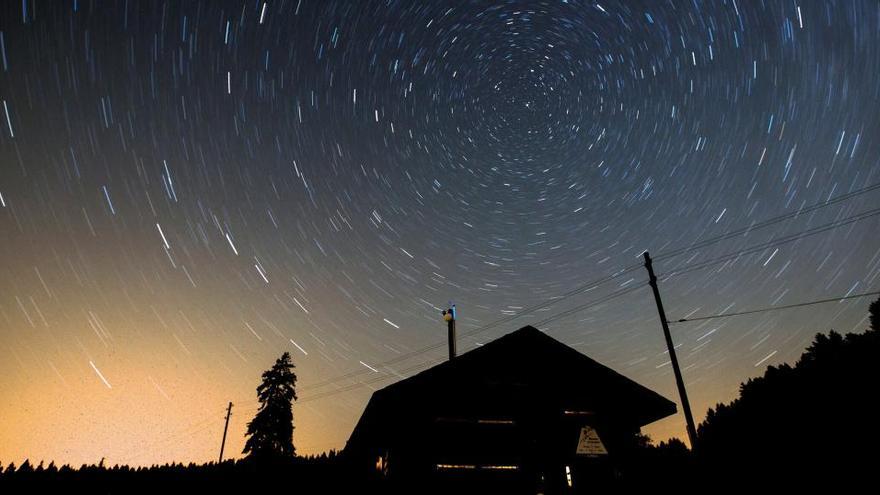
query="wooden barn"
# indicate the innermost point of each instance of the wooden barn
(524, 413)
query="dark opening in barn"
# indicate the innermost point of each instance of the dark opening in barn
(524, 413)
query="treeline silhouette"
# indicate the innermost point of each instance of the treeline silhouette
(810, 423)
(817, 418)
(309, 474)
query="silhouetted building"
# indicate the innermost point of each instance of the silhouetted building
(523, 413)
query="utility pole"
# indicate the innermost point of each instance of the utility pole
(685, 404)
(223, 444)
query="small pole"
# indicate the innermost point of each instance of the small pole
(223, 444)
(449, 316)
(685, 404)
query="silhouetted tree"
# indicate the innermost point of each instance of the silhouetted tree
(814, 417)
(874, 310)
(271, 430)
(25, 467)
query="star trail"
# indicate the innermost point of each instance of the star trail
(189, 189)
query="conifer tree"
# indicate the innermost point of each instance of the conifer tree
(271, 431)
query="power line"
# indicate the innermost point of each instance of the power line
(582, 307)
(199, 427)
(580, 289)
(776, 308)
(769, 222)
(778, 242)
(578, 308)
(608, 278)
(702, 265)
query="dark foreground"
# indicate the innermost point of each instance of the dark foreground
(669, 466)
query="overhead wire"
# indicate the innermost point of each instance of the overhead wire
(702, 265)
(774, 243)
(665, 255)
(578, 308)
(775, 308)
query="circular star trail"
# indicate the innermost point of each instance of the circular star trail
(189, 189)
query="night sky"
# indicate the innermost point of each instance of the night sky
(189, 189)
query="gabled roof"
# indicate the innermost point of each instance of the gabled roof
(523, 368)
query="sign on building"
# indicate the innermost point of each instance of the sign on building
(589, 443)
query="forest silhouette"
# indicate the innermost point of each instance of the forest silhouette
(807, 423)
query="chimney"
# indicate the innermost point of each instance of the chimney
(449, 317)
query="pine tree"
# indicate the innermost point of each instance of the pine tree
(271, 430)
(874, 310)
